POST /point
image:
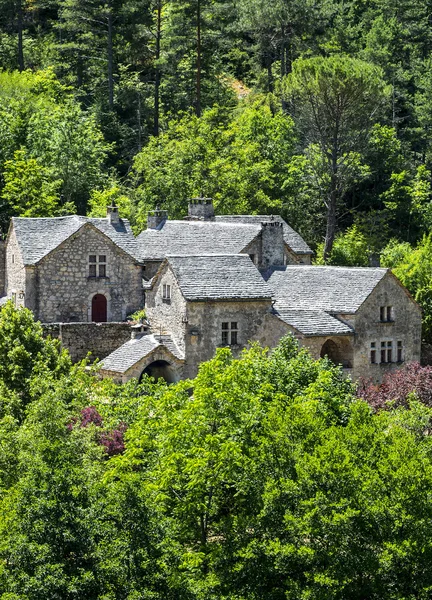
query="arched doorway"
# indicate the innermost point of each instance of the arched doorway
(99, 309)
(331, 350)
(160, 369)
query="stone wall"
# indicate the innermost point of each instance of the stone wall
(15, 286)
(405, 327)
(65, 289)
(2, 267)
(204, 328)
(81, 338)
(167, 316)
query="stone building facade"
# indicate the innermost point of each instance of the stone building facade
(205, 282)
(74, 269)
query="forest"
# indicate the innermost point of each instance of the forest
(270, 476)
(267, 477)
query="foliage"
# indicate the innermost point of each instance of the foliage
(399, 387)
(350, 249)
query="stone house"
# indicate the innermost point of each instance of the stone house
(202, 303)
(207, 281)
(361, 318)
(74, 269)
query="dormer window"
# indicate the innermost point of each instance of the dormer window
(166, 292)
(386, 314)
(97, 265)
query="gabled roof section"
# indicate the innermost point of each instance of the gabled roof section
(339, 290)
(195, 237)
(312, 322)
(291, 237)
(218, 277)
(37, 237)
(125, 357)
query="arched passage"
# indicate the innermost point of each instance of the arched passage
(161, 369)
(99, 308)
(331, 350)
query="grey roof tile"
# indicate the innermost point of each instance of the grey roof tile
(330, 289)
(312, 323)
(219, 277)
(37, 237)
(195, 237)
(125, 357)
(291, 237)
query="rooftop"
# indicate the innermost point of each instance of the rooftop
(37, 237)
(192, 237)
(312, 323)
(125, 357)
(291, 237)
(219, 277)
(329, 289)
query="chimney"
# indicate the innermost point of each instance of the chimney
(113, 214)
(201, 208)
(273, 247)
(156, 218)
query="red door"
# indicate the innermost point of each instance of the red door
(99, 308)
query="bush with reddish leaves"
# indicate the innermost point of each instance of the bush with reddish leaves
(114, 440)
(397, 386)
(90, 415)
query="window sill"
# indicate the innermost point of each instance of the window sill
(96, 277)
(387, 322)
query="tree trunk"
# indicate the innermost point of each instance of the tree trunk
(20, 36)
(283, 65)
(332, 203)
(110, 61)
(198, 74)
(157, 70)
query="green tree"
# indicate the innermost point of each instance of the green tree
(336, 100)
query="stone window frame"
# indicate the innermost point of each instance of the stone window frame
(229, 333)
(386, 314)
(373, 353)
(400, 351)
(386, 352)
(97, 268)
(166, 292)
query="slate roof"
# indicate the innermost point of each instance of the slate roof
(291, 237)
(195, 237)
(37, 237)
(219, 277)
(312, 323)
(125, 357)
(330, 289)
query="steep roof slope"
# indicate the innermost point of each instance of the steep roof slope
(219, 277)
(312, 322)
(330, 289)
(127, 355)
(195, 237)
(291, 237)
(37, 237)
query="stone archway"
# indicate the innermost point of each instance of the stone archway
(161, 369)
(99, 309)
(332, 351)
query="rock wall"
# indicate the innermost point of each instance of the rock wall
(100, 339)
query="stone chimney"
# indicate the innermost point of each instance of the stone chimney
(113, 214)
(273, 247)
(201, 208)
(156, 218)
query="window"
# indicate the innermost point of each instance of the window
(252, 257)
(166, 292)
(399, 352)
(387, 352)
(386, 314)
(97, 265)
(230, 333)
(373, 353)
(13, 258)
